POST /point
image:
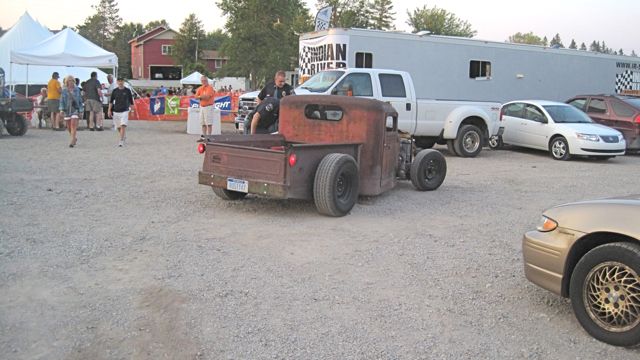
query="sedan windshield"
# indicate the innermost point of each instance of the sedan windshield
(321, 81)
(566, 114)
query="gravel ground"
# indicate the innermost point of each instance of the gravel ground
(118, 253)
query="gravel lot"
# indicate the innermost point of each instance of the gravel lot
(118, 253)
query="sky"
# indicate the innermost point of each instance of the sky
(614, 21)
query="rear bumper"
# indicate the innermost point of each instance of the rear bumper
(279, 191)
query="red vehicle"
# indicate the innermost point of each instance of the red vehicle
(329, 149)
(620, 112)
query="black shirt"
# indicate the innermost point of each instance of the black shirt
(271, 90)
(120, 99)
(268, 110)
(91, 88)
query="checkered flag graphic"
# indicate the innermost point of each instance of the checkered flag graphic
(624, 81)
(305, 61)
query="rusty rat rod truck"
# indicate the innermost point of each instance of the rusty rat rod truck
(329, 148)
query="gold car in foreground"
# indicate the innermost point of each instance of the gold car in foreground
(590, 252)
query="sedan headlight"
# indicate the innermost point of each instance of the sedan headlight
(588, 137)
(546, 224)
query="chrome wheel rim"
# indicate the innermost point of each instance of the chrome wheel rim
(471, 141)
(493, 141)
(611, 295)
(559, 149)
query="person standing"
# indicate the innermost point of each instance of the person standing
(110, 87)
(278, 88)
(71, 107)
(205, 94)
(120, 103)
(93, 94)
(53, 100)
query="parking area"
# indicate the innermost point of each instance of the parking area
(118, 253)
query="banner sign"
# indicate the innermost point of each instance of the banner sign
(156, 105)
(172, 105)
(323, 18)
(194, 103)
(323, 53)
(223, 103)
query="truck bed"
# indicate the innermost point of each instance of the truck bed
(263, 162)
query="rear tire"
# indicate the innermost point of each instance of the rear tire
(559, 148)
(605, 293)
(336, 183)
(18, 126)
(451, 147)
(428, 170)
(468, 143)
(228, 195)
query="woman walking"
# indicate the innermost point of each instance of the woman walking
(71, 107)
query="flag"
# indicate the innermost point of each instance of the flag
(157, 105)
(323, 18)
(172, 105)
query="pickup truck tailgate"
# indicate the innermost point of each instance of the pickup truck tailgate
(236, 161)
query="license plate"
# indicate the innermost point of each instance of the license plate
(238, 185)
(241, 126)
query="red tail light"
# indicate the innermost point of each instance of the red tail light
(201, 148)
(292, 160)
(501, 113)
(637, 119)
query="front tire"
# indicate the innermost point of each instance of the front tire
(336, 183)
(228, 195)
(18, 126)
(559, 149)
(605, 293)
(469, 141)
(428, 170)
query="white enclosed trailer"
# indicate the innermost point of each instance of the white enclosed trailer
(454, 68)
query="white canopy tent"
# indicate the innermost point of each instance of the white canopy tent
(193, 79)
(24, 34)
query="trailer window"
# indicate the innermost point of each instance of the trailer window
(392, 85)
(479, 69)
(323, 112)
(364, 60)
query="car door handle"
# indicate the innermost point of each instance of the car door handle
(408, 107)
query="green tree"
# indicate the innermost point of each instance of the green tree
(573, 45)
(595, 46)
(583, 47)
(214, 40)
(439, 22)
(526, 38)
(349, 13)
(155, 23)
(102, 26)
(263, 36)
(620, 52)
(545, 42)
(556, 41)
(186, 48)
(382, 15)
(121, 46)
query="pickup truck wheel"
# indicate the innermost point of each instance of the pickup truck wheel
(428, 170)
(605, 293)
(18, 126)
(469, 141)
(495, 142)
(451, 147)
(228, 194)
(335, 187)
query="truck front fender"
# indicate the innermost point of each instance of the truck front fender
(486, 120)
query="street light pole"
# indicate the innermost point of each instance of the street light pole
(197, 40)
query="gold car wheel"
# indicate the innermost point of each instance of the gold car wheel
(612, 296)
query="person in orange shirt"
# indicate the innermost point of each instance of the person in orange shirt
(54, 89)
(205, 94)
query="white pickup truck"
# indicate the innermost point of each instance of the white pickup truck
(465, 126)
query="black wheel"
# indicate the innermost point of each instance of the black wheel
(469, 141)
(425, 142)
(335, 188)
(18, 126)
(495, 142)
(428, 170)
(451, 147)
(559, 148)
(228, 194)
(605, 293)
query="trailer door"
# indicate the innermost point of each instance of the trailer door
(394, 91)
